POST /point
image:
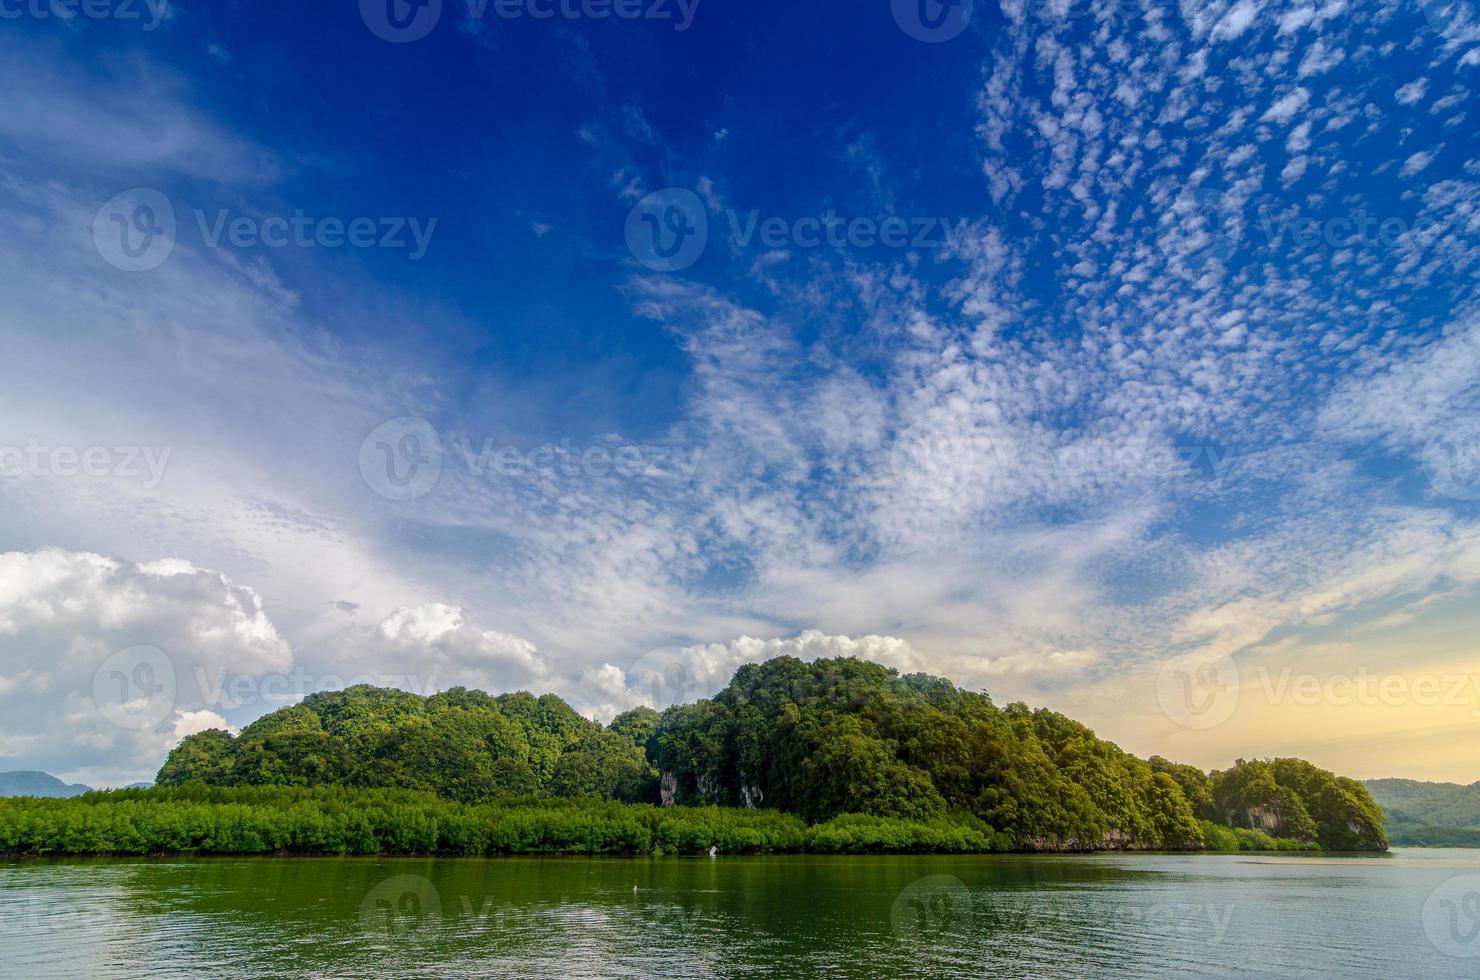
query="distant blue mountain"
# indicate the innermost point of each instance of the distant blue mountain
(38, 784)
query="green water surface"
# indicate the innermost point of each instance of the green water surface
(1412, 913)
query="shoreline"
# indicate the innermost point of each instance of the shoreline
(198, 821)
(1250, 857)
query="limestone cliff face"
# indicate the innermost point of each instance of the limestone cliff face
(1266, 817)
(708, 789)
(1113, 840)
(1119, 840)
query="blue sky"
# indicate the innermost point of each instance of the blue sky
(1143, 348)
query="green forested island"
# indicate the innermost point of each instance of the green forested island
(833, 755)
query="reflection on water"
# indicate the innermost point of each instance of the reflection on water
(1416, 913)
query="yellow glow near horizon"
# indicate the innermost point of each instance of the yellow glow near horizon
(1400, 701)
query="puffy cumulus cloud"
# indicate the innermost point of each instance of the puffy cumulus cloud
(604, 694)
(195, 722)
(675, 675)
(432, 647)
(166, 603)
(106, 663)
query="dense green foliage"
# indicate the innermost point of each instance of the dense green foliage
(1292, 798)
(463, 745)
(837, 736)
(1217, 837)
(330, 820)
(843, 744)
(1429, 814)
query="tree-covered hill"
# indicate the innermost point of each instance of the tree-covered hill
(1429, 814)
(464, 745)
(818, 740)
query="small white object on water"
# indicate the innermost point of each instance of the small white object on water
(713, 850)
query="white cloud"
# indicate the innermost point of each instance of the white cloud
(433, 647)
(1416, 163)
(1285, 109)
(65, 617)
(1054, 663)
(675, 675)
(1236, 21)
(143, 116)
(1131, 407)
(1412, 92)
